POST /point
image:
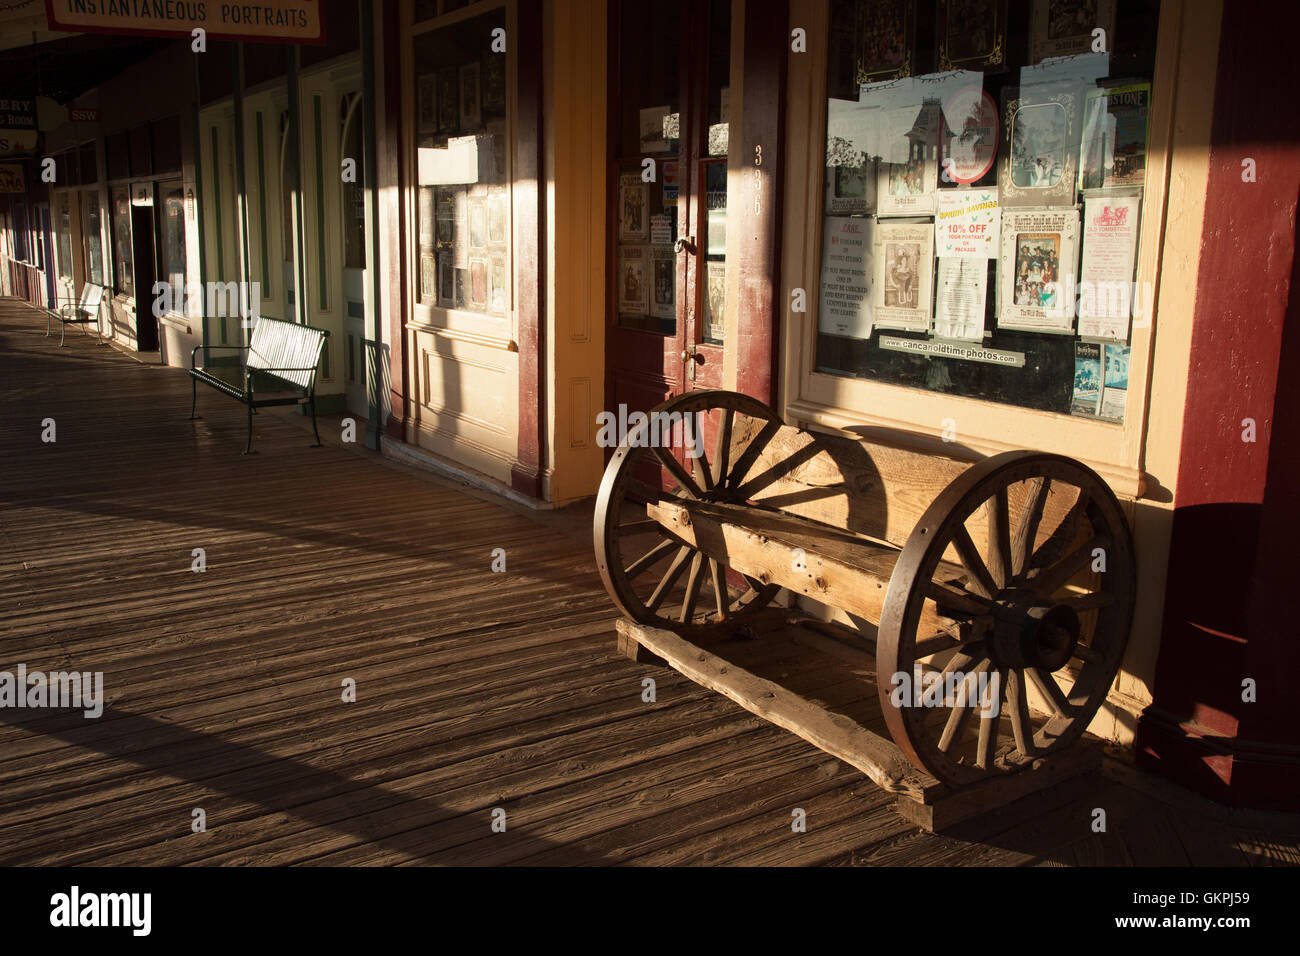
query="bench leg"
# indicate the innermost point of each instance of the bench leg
(48, 319)
(248, 445)
(194, 400)
(63, 330)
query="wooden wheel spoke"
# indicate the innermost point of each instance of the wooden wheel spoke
(1087, 654)
(669, 579)
(945, 641)
(1050, 580)
(722, 448)
(1022, 727)
(640, 526)
(693, 581)
(645, 491)
(720, 594)
(1049, 688)
(1064, 535)
(680, 474)
(966, 703)
(987, 740)
(750, 455)
(1022, 547)
(999, 545)
(981, 580)
(641, 564)
(950, 597)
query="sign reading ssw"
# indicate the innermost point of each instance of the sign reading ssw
(275, 21)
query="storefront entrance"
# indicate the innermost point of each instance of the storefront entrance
(668, 183)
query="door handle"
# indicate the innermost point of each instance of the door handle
(686, 243)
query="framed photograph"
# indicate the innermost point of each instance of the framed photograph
(428, 281)
(715, 301)
(1116, 122)
(886, 38)
(968, 136)
(851, 190)
(496, 216)
(494, 84)
(1037, 269)
(633, 214)
(478, 283)
(653, 126)
(1065, 27)
(907, 189)
(903, 267)
(633, 282)
(448, 101)
(477, 224)
(471, 112)
(972, 35)
(1040, 148)
(426, 111)
(446, 281)
(498, 285)
(663, 295)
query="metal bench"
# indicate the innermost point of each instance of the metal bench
(277, 367)
(1019, 566)
(78, 313)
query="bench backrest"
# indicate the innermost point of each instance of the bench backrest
(91, 296)
(287, 350)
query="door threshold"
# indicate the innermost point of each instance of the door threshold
(400, 451)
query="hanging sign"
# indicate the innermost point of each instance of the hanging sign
(274, 21)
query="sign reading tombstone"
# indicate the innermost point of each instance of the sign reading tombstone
(275, 21)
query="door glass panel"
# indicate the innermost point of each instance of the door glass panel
(123, 274)
(65, 234)
(648, 194)
(464, 198)
(173, 230)
(94, 244)
(713, 174)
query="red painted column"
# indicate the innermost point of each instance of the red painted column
(1232, 611)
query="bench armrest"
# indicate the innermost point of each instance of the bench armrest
(211, 348)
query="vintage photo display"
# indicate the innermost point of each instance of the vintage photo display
(715, 301)
(1067, 27)
(906, 189)
(633, 211)
(972, 35)
(1116, 123)
(633, 280)
(1040, 147)
(886, 39)
(1100, 381)
(1037, 270)
(663, 293)
(968, 136)
(469, 229)
(902, 275)
(850, 190)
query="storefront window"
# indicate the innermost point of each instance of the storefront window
(63, 232)
(985, 167)
(90, 231)
(19, 229)
(173, 234)
(464, 199)
(122, 265)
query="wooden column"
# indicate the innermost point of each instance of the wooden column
(391, 297)
(754, 209)
(1231, 603)
(529, 251)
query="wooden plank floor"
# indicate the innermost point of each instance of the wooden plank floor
(474, 690)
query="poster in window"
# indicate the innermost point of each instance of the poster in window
(968, 137)
(663, 297)
(496, 215)
(1036, 269)
(445, 212)
(471, 112)
(427, 103)
(427, 280)
(844, 297)
(633, 283)
(1067, 27)
(1114, 382)
(972, 35)
(906, 189)
(1115, 126)
(460, 226)
(477, 223)
(633, 216)
(478, 282)
(903, 270)
(1110, 240)
(715, 301)
(494, 84)
(851, 190)
(670, 184)
(497, 285)
(653, 125)
(960, 297)
(1086, 396)
(886, 34)
(446, 281)
(967, 223)
(448, 101)
(1041, 148)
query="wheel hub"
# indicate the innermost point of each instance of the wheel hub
(1035, 636)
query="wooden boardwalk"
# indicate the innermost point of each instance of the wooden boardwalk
(474, 690)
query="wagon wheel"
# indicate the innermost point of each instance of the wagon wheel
(1031, 636)
(653, 576)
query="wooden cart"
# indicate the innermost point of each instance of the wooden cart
(994, 599)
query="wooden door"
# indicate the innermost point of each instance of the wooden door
(670, 64)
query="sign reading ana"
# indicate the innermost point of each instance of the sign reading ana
(281, 21)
